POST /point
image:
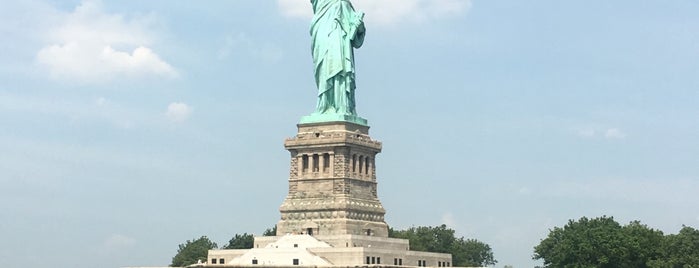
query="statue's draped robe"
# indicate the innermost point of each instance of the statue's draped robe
(336, 29)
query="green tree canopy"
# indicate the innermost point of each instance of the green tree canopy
(602, 243)
(643, 244)
(270, 231)
(471, 252)
(192, 251)
(680, 250)
(465, 252)
(583, 243)
(240, 241)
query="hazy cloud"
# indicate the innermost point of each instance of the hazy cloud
(178, 112)
(91, 46)
(119, 241)
(235, 44)
(119, 116)
(614, 133)
(388, 12)
(79, 110)
(101, 101)
(667, 191)
(587, 133)
(448, 219)
(524, 191)
(295, 8)
(601, 132)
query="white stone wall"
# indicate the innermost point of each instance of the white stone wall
(326, 251)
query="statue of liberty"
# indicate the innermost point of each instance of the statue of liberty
(335, 30)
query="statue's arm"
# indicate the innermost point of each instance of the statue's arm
(358, 29)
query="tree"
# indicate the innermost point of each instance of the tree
(432, 239)
(239, 241)
(683, 249)
(192, 251)
(642, 243)
(245, 240)
(465, 252)
(582, 243)
(601, 243)
(471, 252)
(270, 231)
(680, 250)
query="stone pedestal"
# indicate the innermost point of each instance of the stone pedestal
(332, 182)
(332, 216)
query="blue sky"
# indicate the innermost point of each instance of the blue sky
(129, 127)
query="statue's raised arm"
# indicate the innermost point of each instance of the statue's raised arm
(336, 30)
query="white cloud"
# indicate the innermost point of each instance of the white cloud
(448, 219)
(295, 8)
(119, 241)
(601, 132)
(670, 191)
(75, 111)
(101, 101)
(587, 133)
(178, 112)
(524, 191)
(91, 46)
(614, 133)
(387, 12)
(243, 43)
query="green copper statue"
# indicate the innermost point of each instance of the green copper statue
(335, 30)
